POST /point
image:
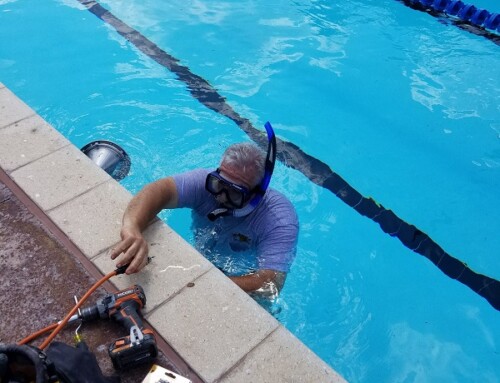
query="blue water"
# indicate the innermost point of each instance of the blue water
(403, 106)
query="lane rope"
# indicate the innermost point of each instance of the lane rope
(465, 16)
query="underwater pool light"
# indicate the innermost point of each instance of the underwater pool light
(110, 157)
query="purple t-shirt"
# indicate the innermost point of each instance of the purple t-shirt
(264, 239)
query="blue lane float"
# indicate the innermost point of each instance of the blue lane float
(474, 19)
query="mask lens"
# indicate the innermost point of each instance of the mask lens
(236, 197)
(235, 194)
(214, 185)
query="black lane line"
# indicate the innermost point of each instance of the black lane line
(317, 171)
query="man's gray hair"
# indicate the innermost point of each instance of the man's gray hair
(248, 157)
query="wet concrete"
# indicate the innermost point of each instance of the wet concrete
(39, 277)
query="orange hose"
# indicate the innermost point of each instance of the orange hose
(75, 308)
(37, 334)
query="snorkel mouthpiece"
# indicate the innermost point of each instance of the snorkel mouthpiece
(213, 215)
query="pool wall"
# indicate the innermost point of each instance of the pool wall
(219, 331)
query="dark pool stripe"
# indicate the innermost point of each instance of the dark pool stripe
(318, 172)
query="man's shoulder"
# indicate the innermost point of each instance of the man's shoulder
(195, 174)
(275, 197)
(190, 187)
(279, 207)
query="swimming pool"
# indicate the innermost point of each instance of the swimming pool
(403, 107)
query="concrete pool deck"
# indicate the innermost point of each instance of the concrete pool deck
(221, 333)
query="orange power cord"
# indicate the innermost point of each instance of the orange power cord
(37, 334)
(56, 327)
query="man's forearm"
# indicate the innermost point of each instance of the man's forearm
(140, 211)
(144, 207)
(252, 282)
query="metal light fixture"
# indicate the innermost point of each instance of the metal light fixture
(110, 157)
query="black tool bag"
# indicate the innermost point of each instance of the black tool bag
(60, 363)
(77, 364)
(23, 364)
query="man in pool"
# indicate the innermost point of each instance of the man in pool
(236, 219)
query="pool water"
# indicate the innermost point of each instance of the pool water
(404, 106)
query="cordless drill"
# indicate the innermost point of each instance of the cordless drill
(124, 307)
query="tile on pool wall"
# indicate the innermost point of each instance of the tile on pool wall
(12, 109)
(213, 324)
(27, 140)
(282, 358)
(174, 263)
(59, 177)
(93, 220)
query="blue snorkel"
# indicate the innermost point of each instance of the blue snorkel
(270, 158)
(260, 190)
(268, 172)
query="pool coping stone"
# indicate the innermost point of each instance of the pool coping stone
(222, 333)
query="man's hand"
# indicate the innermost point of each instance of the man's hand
(132, 250)
(141, 210)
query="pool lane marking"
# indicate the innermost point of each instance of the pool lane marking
(317, 171)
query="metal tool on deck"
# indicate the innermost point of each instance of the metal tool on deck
(124, 306)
